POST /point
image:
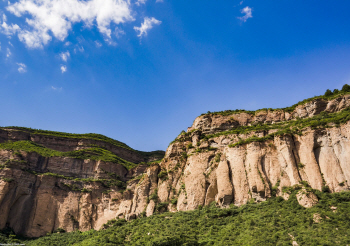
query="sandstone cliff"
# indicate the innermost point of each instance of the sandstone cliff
(229, 157)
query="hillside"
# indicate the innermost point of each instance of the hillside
(274, 222)
(57, 181)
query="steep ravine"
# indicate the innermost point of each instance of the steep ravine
(222, 158)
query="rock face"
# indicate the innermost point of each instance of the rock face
(40, 194)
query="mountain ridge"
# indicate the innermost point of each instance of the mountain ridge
(223, 158)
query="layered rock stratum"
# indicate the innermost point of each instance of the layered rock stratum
(53, 180)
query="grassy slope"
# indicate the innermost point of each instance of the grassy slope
(93, 153)
(266, 223)
(92, 136)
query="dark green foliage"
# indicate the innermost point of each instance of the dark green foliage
(300, 165)
(8, 180)
(162, 174)
(217, 157)
(345, 88)
(328, 93)
(326, 189)
(162, 206)
(154, 195)
(60, 230)
(267, 223)
(189, 146)
(173, 201)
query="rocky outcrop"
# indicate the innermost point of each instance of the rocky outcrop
(40, 194)
(212, 123)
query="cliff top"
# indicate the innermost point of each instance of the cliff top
(329, 95)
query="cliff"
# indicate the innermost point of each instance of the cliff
(52, 181)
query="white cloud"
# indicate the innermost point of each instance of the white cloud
(59, 89)
(22, 68)
(139, 2)
(63, 69)
(65, 55)
(247, 14)
(8, 53)
(67, 43)
(9, 30)
(10, 44)
(98, 44)
(147, 24)
(56, 17)
(118, 32)
(159, 1)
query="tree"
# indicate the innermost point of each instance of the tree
(328, 93)
(346, 88)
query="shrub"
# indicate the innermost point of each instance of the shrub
(345, 88)
(189, 146)
(326, 189)
(8, 180)
(328, 93)
(173, 201)
(162, 174)
(154, 195)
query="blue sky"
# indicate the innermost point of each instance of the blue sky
(140, 71)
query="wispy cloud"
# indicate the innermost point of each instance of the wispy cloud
(147, 24)
(159, 1)
(98, 44)
(139, 2)
(58, 89)
(8, 53)
(247, 14)
(22, 68)
(63, 68)
(119, 32)
(65, 55)
(54, 18)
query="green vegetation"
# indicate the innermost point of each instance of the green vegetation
(8, 180)
(321, 121)
(105, 182)
(163, 174)
(329, 95)
(93, 153)
(91, 136)
(273, 222)
(153, 155)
